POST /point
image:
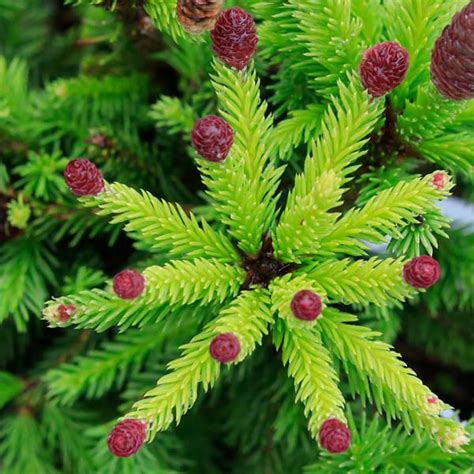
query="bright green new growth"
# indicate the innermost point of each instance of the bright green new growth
(206, 266)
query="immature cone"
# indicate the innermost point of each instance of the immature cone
(335, 436)
(127, 437)
(440, 180)
(65, 312)
(198, 16)
(225, 347)
(383, 67)
(306, 305)
(452, 59)
(212, 138)
(433, 399)
(234, 37)
(422, 272)
(83, 178)
(129, 284)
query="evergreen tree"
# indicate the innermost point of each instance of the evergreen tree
(326, 134)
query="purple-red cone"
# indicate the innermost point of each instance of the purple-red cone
(234, 38)
(212, 138)
(306, 305)
(452, 59)
(335, 436)
(129, 284)
(422, 272)
(127, 437)
(83, 178)
(383, 67)
(225, 347)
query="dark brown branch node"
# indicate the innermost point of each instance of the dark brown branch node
(264, 267)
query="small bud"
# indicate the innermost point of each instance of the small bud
(433, 399)
(306, 305)
(212, 138)
(65, 312)
(383, 67)
(225, 348)
(83, 178)
(452, 438)
(59, 314)
(422, 272)
(335, 436)
(129, 284)
(127, 437)
(440, 180)
(234, 38)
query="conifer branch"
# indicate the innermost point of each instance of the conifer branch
(177, 391)
(428, 115)
(355, 344)
(248, 213)
(361, 282)
(177, 283)
(316, 382)
(184, 282)
(300, 127)
(330, 34)
(303, 224)
(101, 369)
(345, 128)
(382, 214)
(452, 151)
(101, 309)
(161, 225)
(163, 14)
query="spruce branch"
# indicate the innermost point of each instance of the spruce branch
(161, 225)
(381, 215)
(303, 224)
(272, 267)
(300, 127)
(177, 391)
(316, 382)
(101, 309)
(247, 166)
(345, 128)
(382, 448)
(186, 282)
(103, 368)
(370, 15)
(21, 445)
(333, 46)
(373, 281)
(428, 115)
(451, 150)
(383, 366)
(163, 14)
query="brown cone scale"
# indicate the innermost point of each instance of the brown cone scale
(198, 16)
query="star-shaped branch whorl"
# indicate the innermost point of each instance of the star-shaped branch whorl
(287, 272)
